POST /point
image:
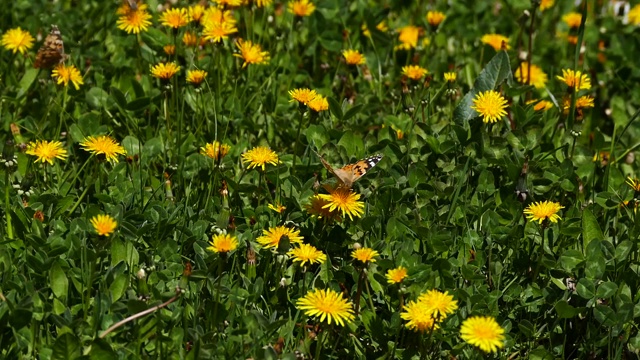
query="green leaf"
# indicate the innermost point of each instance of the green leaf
(138, 104)
(606, 290)
(119, 286)
(565, 311)
(101, 350)
(623, 250)
(586, 288)
(605, 315)
(590, 228)
(98, 98)
(66, 347)
(352, 112)
(570, 259)
(335, 108)
(58, 281)
(118, 97)
(27, 80)
(316, 134)
(352, 143)
(495, 73)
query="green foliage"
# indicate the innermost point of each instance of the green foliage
(446, 201)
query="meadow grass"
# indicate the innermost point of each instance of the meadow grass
(183, 179)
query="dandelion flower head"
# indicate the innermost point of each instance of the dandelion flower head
(307, 253)
(260, 156)
(103, 145)
(490, 105)
(538, 77)
(134, 21)
(543, 210)
(46, 151)
(328, 305)
(495, 41)
(65, 74)
(353, 57)
(483, 332)
(397, 275)
(365, 255)
(271, 238)
(301, 8)
(223, 243)
(104, 225)
(344, 200)
(17, 40)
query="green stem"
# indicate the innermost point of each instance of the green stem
(7, 209)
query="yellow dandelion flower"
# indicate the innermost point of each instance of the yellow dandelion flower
(196, 77)
(582, 102)
(135, 21)
(216, 15)
(103, 146)
(189, 39)
(169, 49)
(318, 207)
(495, 41)
(46, 151)
(540, 105)
(327, 304)
(397, 275)
(382, 27)
(450, 76)
(439, 303)
(575, 79)
(229, 3)
(271, 238)
(165, 71)
(414, 72)
(408, 36)
(483, 332)
(538, 77)
(196, 12)
(277, 207)
(307, 253)
(17, 40)
(419, 317)
(223, 243)
(634, 15)
(546, 4)
(215, 150)
(218, 31)
(251, 53)
(301, 8)
(260, 156)
(353, 57)
(490, 105)
(634, 183)
(319, 103)
(543, 210)
(434, 18)
(344, 200)
(302, 95)
(175, 18)
(104, 225)
(365, 255)
(572, 19)
(263, 3)
(65, 74)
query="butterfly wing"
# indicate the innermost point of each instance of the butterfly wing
(52, 50)
(352, 172)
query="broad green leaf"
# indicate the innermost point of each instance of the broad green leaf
(58, 281)
(335, 108)
(118, 97)
(495, 73)
(623, 250)
(98, 98)
(590, 228)
(316, 134)
(119, 286)
(570, 259)
(27, 80)
(66, 347)
(606, 290)
(586, 288)
(565, 311)
(352, 112)
(605, 315)
(352, 143)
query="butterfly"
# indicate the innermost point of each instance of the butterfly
(349, 174)
(52, 50)
(133, 4)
